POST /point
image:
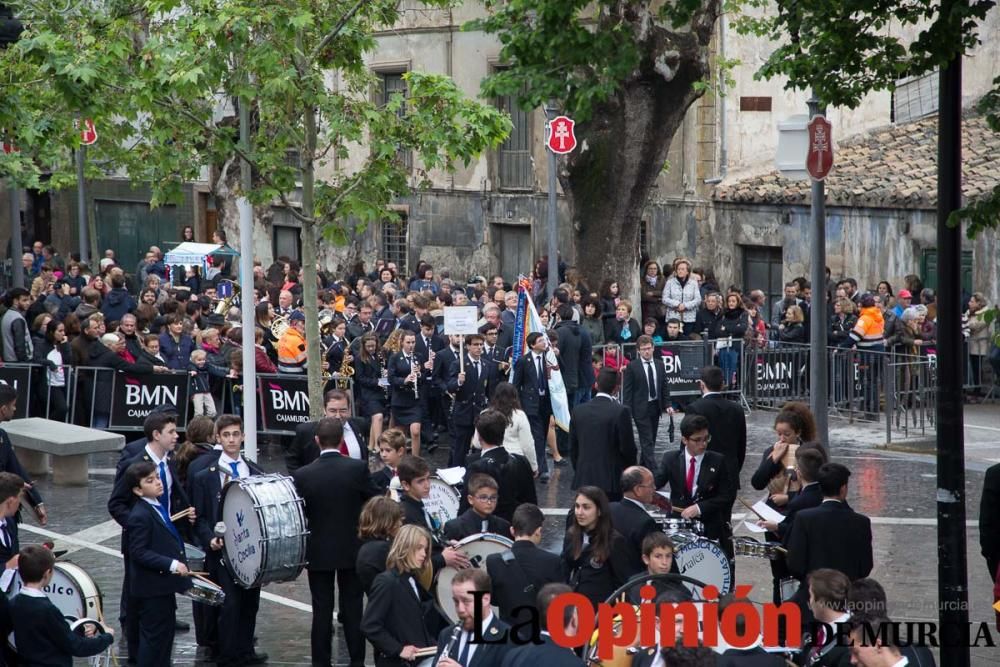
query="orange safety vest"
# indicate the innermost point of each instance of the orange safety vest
(870, 329)
(292, 352)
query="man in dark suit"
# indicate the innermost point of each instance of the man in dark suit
(468, 644)
(726, 422)
(549, 653)
(11, 487)
(827, 599)
(237, 619)
(133, 448)
(512, 472)
(8, 458)
(701, 486)
(629, 516)
(519, 573)
(530, 378)
(831, 535)
(334, 488)
(601, 444)
(472, 389)
(428, 344)
(303, 449)
(989, 520)
(646, 395)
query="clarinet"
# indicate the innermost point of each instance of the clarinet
(455, 634)
(415, 369)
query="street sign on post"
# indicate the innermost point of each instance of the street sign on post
(88, 133)
(819, 159)
(561, 138)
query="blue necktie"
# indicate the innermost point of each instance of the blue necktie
(170, 524)
(235, 467)
(463, 658)
(165, 498)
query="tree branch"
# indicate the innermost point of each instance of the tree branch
(329, 37)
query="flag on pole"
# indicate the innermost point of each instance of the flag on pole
(526, 322)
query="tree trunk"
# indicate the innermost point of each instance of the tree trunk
(314, 367)
(623, 148)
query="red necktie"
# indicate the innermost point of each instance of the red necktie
(820, 641)
(690, 478)
(343, 448)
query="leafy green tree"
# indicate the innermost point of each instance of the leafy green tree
(627, 73)
(163, 79)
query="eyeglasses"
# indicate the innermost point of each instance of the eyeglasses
(705, 438)
(486, 499)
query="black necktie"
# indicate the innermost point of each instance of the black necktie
(541, 377)
(650, 378)
(463, 657)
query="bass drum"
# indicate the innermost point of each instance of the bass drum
(443, 502)
(265, 530)
(705, 561)
(71, 590)
(476, 548)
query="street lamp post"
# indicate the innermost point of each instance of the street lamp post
(818, 385)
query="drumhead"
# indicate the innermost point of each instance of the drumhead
(476, 548)
(266, 532)
(443, 501)
(705, 561)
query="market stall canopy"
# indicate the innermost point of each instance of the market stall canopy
(196, 254)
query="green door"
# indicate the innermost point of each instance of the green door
(929, 270)
(130, 227)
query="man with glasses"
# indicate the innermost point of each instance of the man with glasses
(701, 485)
(482, 495)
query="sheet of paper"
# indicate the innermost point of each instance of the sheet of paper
(453, 476)
(665, 494)
(754, 528)
(767, 512)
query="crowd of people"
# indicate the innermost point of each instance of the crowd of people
(363, 470)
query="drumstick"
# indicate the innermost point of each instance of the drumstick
(200, 575)
(425, 652)
(750, 507)
(180, 515)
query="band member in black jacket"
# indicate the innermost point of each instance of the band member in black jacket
(8, 459)
(303, 448)
(601, 444)
(726, 422)
(701, 487)
(400, 616)
(464, 644)
(334, 488)
(371, 390)
(520, 573)
(406, 376)
(530, 378)
(481, 494)
(415, 481)
(646, 395)
(629, 516)
(471, 389)
(595, 566)
(237, 618)
(989, 520)
(512, 472)
(380, 520)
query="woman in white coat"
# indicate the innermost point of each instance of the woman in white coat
(517, 438)
(681, 295)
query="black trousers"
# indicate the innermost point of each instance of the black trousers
(539, 431)
(461, 441)
(156, 616)
(321, 590)
(237, 619)
(647, 428)
(206, 624)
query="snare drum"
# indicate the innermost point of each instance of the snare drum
(265, 530)
(476, 548)
(748, 546)
(71, 590)
(105, 658)
(205, 592)
(443, 502)
(705, 561)
(195, 558)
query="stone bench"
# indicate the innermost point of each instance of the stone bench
(35, 440)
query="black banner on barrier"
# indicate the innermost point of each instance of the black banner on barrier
(777, 374)
(18, 377)
(134, 397)
(284, 402)
(683, 364)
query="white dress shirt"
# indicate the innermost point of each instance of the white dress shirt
(226, 470)
(697, 470)
(351, 440)
(467, 636)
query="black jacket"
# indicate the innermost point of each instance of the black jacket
(715, 490)
(989, 516)
(570, 342)
(151, 549)
(601, 444)
(303, 450)
(9, 463)
(635, 387)
(206, 492)
(596, 581)
(524, 377)
(43, 637)
(471, 397)
(831, 535)
(371, 562)
(749, 657)
(766, 470)
(728, 427)
(334, 489)
(402, 391)
(634, 523)
(396, 616)
(547, 653)
(808, 497)
(469, 523)
(512, 473)
(519, 573)
(490, 653)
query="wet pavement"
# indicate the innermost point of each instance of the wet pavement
(896, 489)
